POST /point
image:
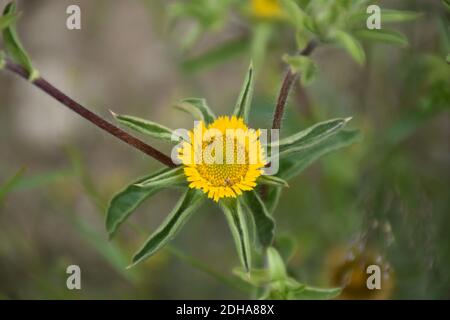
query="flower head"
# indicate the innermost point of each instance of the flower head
(222, 159)
(268, 9)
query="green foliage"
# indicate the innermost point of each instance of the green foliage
(341, 23)
(7, 19)
(188, 204)
(383, 35)
(273, 181)
(278, 285)
(242, 108)
(198, 108)
(13, 45)
(126, 201)
(147, 127)
(446, 4)
(265, 226)
(303, 65)
(236, 219)
(351, 45)
(286, 245)
(216, 55)
(6, 187)
(292, 166)
(311, 136)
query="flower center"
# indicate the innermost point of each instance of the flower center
(223, 175)
(226, 169)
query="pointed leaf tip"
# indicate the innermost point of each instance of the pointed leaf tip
(243, 104)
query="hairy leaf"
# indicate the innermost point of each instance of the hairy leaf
(239, 230)
(265, 226)
(147, 127)
(127, 200)
(242, 108)
(296, 163)
(187, 205)
(272, 181)
(310, 136)
(198, 108)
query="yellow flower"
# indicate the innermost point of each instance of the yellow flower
(266, 9)
(347, 268)
(223, 159)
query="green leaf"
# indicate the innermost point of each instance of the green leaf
(2, 60)
(188, 204)
(149, 128)
(198, 108)
(172, 178)
(272, 198)
(387, 15)
(351, 45)
(312, 293)
(242, 108)
(390, 15)
(310, 136)
(6, 20)
(265, 226)
(14, 47)
(127, 200)
(304, 65)
(286, 245)
(295, 14)
(383, 35)
(446, 4)
(11, 183)
(216, 56)
(272, 181)
(292, 166)
(239, 230)
(277, 268)
(256, 277)
(261, 35)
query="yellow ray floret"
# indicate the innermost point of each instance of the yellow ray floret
(222, 159)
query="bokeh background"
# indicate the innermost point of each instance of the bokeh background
(384, 199)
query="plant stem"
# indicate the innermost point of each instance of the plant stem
(286, 86)
(48, 88)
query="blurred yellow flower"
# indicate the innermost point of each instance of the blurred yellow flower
(222, 159)
(347, 268)
(267, 9)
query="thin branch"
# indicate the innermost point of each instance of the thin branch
(45, 86)
(286, 86)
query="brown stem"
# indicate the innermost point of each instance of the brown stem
(45, 86)
(286, 86)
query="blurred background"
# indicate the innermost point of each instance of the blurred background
(384, 200)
